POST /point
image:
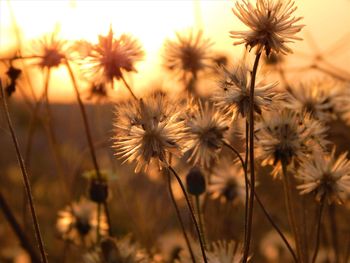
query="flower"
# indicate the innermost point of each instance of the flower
(147, 130)
(78, 223)
(271, 24)
(11, 77)
(98, 92)
(225, 252)
(122, 250)
(204, 135)
(111, 57)
(227, 183)
(188, 55)
(285, 136)
(326, 176)
(232, 93)
(319, 99)
(50, 51)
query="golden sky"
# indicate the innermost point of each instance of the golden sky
(153, 21)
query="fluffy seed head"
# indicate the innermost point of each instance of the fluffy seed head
(271, 24)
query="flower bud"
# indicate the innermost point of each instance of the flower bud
(98, 191)
(195, 181)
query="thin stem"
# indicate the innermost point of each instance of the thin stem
(290, 210)
(128, 87)
(334, 231)
(274, 225)
(191, 213)
(25, 179)
(318, 231)
(200, 221)
(98, 233)
(180, 219)
(246, 179)
(16, 227)
(88, 134)
(251, 157)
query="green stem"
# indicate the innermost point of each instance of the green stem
(25, 179)
(191, 213)
(251, 157)
(180, 219)
(318, 231)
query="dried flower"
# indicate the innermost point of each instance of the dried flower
(50, 50)
(225, 252)
(285, 136)
(227, 183)
(98, 91)
(188, 55)
(271, 24)
(203, 139)
(78, 223)
(112, 57)
(319, 99)
(232, 93)
(122, 250)
(147, 130)
(326, 176)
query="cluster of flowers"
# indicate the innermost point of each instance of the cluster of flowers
(290, 124)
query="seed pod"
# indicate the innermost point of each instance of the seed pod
(195, 181)
(98, 191)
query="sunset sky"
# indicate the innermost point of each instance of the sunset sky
(154, 21)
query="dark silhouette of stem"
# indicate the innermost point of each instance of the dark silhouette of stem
(180, 219)
(318, 231)
(334, 231)
(16, 227)
(25, 179)
(246, 179)
(129, 88)
(191, 213)
(290, 210)
(251, 157)
(200, 221)
(269, 218)
(89, 137)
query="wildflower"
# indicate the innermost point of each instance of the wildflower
(225, 252)
(51, 51)
(285, 136)
(326, 176)
(227, 183)
(98, 91)
(147, 130)
(112, 57)
(316, 98)
(271, 22)
(232, 94)
(204, 135)
(78, 223)
(122, 250)
(189, 55)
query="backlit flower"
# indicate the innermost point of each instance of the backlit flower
(225, 252)
(271, 24)
(147, 130)
(227, 183)
(78, 223)
(232, 93)
(326, 176)
(188, 55)
(285, 136)
(112, 57)
(203, 139)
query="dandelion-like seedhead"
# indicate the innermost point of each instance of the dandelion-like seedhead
(148, 130)
(319, 99)
(188, 55)
(78, 223)
(325, 175)
(271, 24)
(204, 135)
(227, 183)
(111, 57)
(50, 50)
(121, 250)
(232, 93)
(285, 136)
(225, 252)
